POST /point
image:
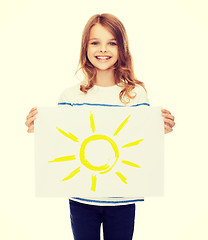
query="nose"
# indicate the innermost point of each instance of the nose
(103, 48)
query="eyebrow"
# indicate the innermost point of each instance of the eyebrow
(112, 39)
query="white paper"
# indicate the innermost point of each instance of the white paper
(98, 162)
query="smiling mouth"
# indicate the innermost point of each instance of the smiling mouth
(103, 58)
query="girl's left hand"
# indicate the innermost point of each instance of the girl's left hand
(168, 121)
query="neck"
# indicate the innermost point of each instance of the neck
(105, 78)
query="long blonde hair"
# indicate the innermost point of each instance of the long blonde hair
(123, 68)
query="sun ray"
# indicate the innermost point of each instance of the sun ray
(72, 174)
(130, 163)
(94, 182)
(63, 159)
(92, 123)
(69, 135)
(121, 125)
(121, 176)
(132, 143)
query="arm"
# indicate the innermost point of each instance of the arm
(30, 119)
(168, 121)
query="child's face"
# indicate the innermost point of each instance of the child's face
(102, 48)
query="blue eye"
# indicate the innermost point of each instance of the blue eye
(94, 43)
(112, 43)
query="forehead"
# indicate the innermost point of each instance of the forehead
(100, 32)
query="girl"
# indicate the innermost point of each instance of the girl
(107, 65)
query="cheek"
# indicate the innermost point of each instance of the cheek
(89, 53)
(115, 53)
(90, 56)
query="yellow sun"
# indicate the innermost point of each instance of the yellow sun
(102, 169)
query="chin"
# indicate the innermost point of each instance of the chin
(104, 69)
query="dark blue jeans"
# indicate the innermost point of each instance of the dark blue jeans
(118, 221)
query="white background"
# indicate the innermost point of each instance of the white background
(39, 51)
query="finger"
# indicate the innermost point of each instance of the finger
(34, 108)
(32, 114)
(30, 129)
(169, 122)
(168, 129)
(165, 111)
(166, 115)
(30, 121)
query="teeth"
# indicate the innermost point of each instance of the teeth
(103, 58)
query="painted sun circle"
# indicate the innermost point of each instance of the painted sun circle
(103, 168)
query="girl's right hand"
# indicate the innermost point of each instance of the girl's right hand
(30, 119)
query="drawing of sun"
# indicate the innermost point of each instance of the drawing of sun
(93, 167)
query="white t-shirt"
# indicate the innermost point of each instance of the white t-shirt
(105, 96)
